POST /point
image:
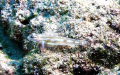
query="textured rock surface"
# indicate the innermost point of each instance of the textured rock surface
(93, 20)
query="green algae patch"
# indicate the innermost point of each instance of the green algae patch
(104, 57)
(33, 61)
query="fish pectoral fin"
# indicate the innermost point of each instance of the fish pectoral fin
(43, 44)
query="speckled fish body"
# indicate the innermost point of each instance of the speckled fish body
(53, 40)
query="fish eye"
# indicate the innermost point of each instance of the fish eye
(32, 36)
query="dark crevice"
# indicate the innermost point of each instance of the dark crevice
(12, 48)
(114, 26)
(27, 19)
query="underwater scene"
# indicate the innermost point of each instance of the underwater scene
(59, 37)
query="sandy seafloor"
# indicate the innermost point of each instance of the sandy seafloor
(95, 22)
